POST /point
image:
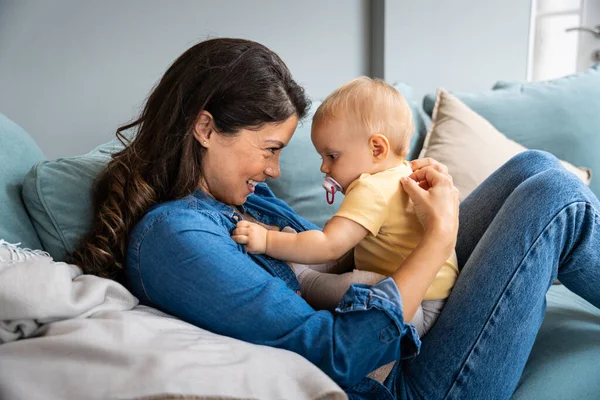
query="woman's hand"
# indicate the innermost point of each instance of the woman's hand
(435, 198)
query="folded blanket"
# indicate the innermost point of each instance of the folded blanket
(90, 341)
(145, 354)
(35, 290)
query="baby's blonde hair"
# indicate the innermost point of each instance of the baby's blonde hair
(373, 105)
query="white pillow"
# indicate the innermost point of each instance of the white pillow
(470, 146)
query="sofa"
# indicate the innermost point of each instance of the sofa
(78, 336)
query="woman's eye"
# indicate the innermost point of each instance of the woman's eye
(273, 150)
(332, 156)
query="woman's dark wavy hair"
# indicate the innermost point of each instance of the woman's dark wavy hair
(241, 83)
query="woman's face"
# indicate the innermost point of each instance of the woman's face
(233, 166)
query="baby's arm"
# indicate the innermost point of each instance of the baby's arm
(310, 247)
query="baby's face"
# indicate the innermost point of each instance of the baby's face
(344, 150)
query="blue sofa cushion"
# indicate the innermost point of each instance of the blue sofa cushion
(57, 195)
(560, 116)
(17, 154)
(564, 359)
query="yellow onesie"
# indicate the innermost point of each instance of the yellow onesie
(378, 203)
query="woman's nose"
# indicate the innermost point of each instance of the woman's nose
(273, 171)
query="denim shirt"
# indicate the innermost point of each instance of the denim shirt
(182, 260)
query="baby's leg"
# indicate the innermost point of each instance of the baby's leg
(427, 314)
(323, 290)
(344, 264)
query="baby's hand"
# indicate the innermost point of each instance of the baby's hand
(252, 235)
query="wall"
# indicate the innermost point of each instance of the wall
(71, 72)
(459, 44)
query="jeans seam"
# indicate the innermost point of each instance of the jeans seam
(502, 295)
(597, 218)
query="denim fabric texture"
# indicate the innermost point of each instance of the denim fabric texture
(527, 224)
(182, 260)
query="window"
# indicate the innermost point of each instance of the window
(553, 52)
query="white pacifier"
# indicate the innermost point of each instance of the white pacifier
(331, 187)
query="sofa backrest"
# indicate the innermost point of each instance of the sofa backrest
(18, 153)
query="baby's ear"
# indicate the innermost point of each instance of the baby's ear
(380, 147)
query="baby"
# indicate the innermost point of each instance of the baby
(362, 132)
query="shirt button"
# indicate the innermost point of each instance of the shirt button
(298, 292)
(236, 217)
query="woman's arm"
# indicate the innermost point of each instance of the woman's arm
(436, 202)
(339, 236)
(188, 266)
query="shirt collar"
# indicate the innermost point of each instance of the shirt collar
(223, 208)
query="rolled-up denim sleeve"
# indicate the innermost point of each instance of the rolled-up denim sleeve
(383, 296)
(188, 266)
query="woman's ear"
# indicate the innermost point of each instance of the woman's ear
(203, 128)
(380, 146)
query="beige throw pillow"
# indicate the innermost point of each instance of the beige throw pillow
(470, 146)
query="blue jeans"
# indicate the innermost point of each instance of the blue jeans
(528, 224)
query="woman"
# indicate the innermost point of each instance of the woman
(209, 135)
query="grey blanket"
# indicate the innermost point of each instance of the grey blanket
(83, 337)
(35, 290)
